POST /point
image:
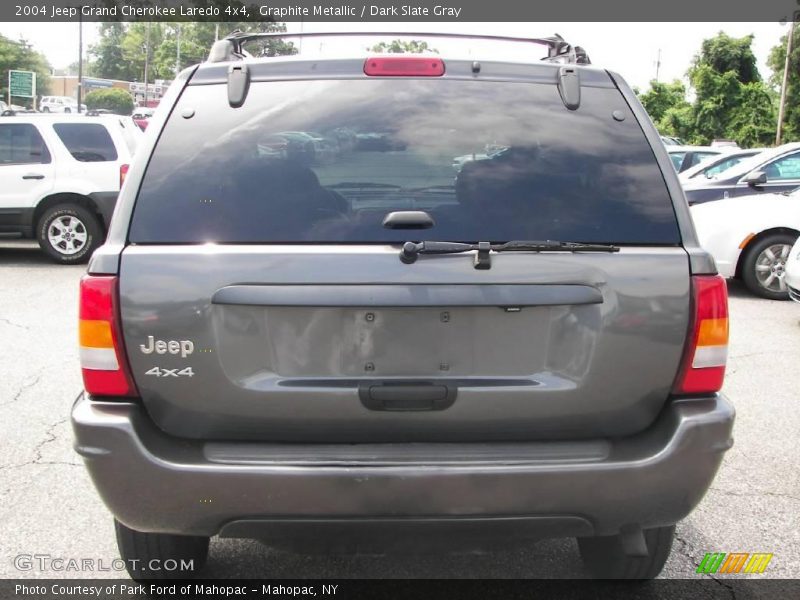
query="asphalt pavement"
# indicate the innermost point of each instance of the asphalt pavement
(49, 507)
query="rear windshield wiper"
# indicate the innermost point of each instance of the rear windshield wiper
(412, 250)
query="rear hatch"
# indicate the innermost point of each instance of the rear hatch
(263, 298)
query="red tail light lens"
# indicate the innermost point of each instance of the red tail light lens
(404, 66)
(706, 353)
(103, 360)
(123, 173)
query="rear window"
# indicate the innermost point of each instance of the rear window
(87, 142)
(325, 162)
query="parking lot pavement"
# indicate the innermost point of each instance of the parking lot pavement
(49, 507)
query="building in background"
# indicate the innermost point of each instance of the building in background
(67, 85)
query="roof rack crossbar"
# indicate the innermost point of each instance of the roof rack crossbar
(558, 50)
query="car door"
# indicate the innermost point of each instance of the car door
(783, 174)
(27, 172)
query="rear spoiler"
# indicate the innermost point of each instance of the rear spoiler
(558, 50)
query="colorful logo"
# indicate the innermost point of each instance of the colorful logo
(734, 562)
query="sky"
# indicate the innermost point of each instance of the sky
(631, 49)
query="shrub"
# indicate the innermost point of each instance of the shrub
(114, 99)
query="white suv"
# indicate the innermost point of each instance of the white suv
(61, 177)
(60, 104)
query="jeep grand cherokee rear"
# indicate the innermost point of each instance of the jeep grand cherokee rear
(283, 348)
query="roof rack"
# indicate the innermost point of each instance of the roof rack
(558, 50)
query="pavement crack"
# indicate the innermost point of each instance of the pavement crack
(754, 494)
(685, 550)
(25, 387)
(50, 436)
(13, 324)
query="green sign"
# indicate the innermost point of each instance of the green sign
(22, 84)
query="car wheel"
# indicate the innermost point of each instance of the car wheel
(69, 233)
(160, 555)
(764, 266)
(45, 109)
(66, 110)
(605, 558)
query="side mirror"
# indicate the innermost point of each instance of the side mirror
(755, 178)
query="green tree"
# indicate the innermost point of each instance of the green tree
(120, 53)
(20, 55)
(724, 53)
(731, 101)
(663, 96)
(107, 56)
(776, 62)
(402, 47)
(114, 99)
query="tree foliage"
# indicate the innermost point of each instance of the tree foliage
(114, 99)
(730, 99)
(121, 51)
(663, 96)
(402, 47)
(19, 55)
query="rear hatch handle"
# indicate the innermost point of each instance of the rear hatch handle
(401, 395)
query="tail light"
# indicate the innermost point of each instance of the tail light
(404, 66)
(703, 365)
(103, 360)
(123, 173)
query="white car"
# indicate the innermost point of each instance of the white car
(712, 165)
(59, 104)
(750, 237)
(685, 157)
(61, 177)
(792, 277)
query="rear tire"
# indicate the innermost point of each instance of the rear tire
(763, 275)
(148, 555)
(604, 557)
(69, 233)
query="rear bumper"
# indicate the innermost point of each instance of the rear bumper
(153, 482)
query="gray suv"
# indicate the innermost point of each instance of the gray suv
(375, 350)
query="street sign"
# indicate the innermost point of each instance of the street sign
(22, 84)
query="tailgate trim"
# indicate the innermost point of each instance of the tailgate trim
(515, 295)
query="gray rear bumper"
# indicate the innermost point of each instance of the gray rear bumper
(153, 482)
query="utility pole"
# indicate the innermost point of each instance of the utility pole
(80, 61)
(658, 63)
(146, 58)
(785, 83)
(178, 52)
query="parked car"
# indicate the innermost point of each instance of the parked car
(61, 176)
(671, 141)
(299, 146)
(142, 115)
(59, 104)
(750, 238)
(490, 150)
(714, 165)
(722, 143)
(774, 170)
(265, 356)
(792, 277)
(685, 157)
